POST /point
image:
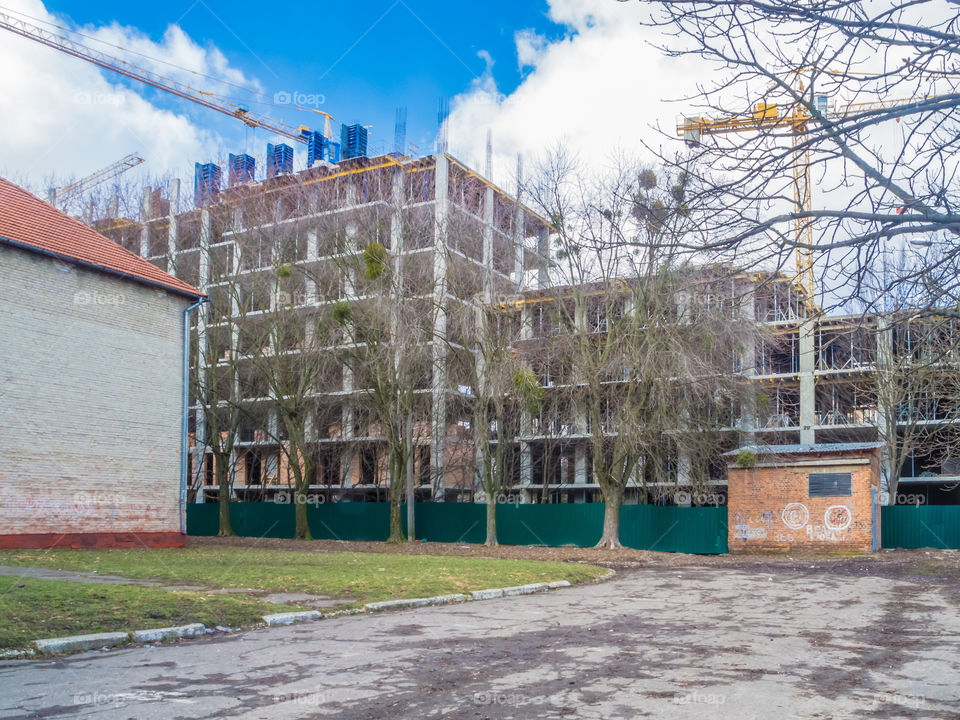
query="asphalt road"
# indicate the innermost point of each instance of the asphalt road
(697, 642)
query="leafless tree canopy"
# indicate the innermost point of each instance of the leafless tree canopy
(876, 86)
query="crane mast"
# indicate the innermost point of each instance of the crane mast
(766, 117)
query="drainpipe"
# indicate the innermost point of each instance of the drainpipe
(186, 413)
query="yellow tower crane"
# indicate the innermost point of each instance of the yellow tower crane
(796, 119)
(766, 117)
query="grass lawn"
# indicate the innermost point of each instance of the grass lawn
(35, 609)
(357, 577)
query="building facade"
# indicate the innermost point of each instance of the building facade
(91, 452)
(291, 249)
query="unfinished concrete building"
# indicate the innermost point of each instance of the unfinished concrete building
(291, 241)
(454, 238)
(815, 378)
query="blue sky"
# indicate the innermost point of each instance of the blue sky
(365, 59)
(529, 74)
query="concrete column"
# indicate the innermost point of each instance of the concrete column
(526, 466)
(203, 351)
(543, 250)
(173, 228)
(684, 467)
(488, 202)
(175, 196)
(580, 465)
(145, 215)
(518, 262)
(748, 367)
(885, 361)
(439, 399)
(309, 284)
(807, 387)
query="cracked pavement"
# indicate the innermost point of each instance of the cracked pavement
(688, 642)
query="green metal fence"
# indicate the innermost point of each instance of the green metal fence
(645, 527)
(674, 529)
(909, 526)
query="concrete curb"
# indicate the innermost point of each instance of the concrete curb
(414, 602)
(74, 643)
(603, 578)
(15, 654)
(77, 643)
(178, 632)
(289, 618)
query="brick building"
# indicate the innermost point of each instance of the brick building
(816, 497)
(91, 361)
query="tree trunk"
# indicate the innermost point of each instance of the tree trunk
(396, 523)
(612, 498)
(301, 487)
(410, 492)
(223, 496)
(491, 540)
(396, 491)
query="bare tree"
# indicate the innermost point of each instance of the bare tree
(859, 99)
(388, 327)
(644, 340)
(494, 385)
(216, 387)
(285, 334)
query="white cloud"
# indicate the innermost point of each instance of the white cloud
(597, 88)
(66, 118)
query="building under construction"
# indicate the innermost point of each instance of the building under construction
(454, 237)
(457, 240)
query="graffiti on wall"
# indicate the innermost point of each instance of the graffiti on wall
(796, 517)
(753, 526)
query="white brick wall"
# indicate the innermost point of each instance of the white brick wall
(90, 400)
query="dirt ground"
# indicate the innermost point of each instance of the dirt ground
(923, 564)
(672, 636)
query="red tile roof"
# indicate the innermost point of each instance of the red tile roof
(28, 222)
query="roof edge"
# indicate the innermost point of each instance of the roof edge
(109, 271)
(799, 448)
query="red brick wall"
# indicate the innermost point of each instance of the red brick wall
(92, 540)
(769, 508)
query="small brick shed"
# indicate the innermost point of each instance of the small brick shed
(817, 497)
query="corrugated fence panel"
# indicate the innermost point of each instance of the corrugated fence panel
(578, 524)
(674, 529)
(203, 519)
(272, 520)
(450, 522)
(350, 521)
(645, 527)
(909, 526)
